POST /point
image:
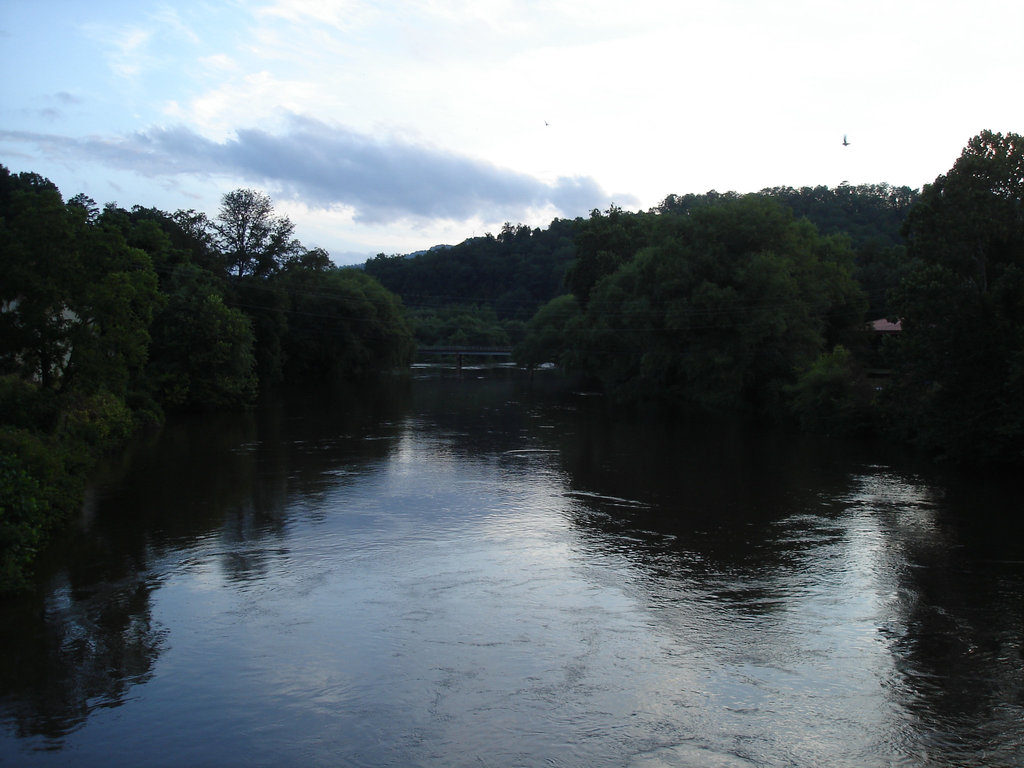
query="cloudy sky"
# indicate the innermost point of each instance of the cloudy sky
(393, 125)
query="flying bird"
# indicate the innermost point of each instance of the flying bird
(845, 142)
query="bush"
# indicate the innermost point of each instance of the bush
(98, 421)
(832, 396)
(22, 520)
(41, 485)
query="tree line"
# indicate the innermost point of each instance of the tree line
(109, 318)
(484, 290)
(742, 303)
(760, 303)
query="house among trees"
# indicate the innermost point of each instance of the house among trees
(886, 326)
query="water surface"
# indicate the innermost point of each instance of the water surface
(478, 571)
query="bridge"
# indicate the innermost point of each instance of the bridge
(458, 352)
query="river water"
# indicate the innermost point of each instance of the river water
(487, 571)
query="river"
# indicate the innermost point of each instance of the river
(488, 571)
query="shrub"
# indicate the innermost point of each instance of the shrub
(831, 396)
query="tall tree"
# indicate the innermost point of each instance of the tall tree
(39, 258)
(961, 353)
(77, 299)
(253, 240)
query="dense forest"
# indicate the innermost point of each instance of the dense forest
(483, 290)
(764, 303)
(111, 318)
(761, 303)
(720, 302)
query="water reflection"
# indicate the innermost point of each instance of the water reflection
(477, 572)
(211, 483)
(815, 573)
(85, 650)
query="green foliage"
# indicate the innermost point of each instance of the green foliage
(21, 518)
(77, 298)
(202, 351)
(342, 324)
(832, 396)
(37, 276)
(253, 240)
(24, 405)
(99, 309)
(110, 341)
(265, 303)
(719, 309)
(513, 273)
(958, 390)
(603, 243)
(459, 325)
(548, 332)
(96, 421)
(41, 484)
(869, 214)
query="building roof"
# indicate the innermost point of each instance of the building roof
(885, 326)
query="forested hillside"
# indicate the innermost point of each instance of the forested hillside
(482, 290)
(761, 303)
(737, 303)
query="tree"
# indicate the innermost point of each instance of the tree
(342, 325)
(202, 351)
(547, 333)
(39, 260)
(88, 206)
(252, 239)
(603, 243)
(194, 233)
(75, 307)
(720, 309)
(960, 358)
(77, 299)
(832, 396)
(112, 297)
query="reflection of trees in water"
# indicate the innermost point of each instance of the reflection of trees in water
(953, 549)
(716, 488)
(729, 527)
(80, 650)
(745, 519)
(229, 481)
(961, 651)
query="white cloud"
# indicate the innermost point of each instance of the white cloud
(253, 98)
(167, 18)
(335, 13)
(126, 46)
(219, 63)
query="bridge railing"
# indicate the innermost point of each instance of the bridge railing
(459, 352)
(465, 350)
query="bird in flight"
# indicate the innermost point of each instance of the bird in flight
(845, 142)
